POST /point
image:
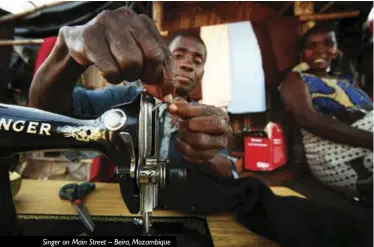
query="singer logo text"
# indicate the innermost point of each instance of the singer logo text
(29, 127)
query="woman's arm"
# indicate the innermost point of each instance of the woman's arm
(295, 96)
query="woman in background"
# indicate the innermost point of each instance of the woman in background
(335, 116)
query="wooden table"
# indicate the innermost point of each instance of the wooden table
(41, 197)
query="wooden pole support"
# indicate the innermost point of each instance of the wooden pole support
(158, 16)
(12, 17)
(21, 42)
(330, 16)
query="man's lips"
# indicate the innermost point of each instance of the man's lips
(183, 79)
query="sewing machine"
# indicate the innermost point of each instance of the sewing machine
(126, 133)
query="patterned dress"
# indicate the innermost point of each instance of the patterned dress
(328, 161)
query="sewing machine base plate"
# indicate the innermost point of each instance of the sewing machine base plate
(190, 231)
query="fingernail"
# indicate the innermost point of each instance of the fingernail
(173, 107)
(168, 98)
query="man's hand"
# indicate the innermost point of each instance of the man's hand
(203, 132)
(124, 46)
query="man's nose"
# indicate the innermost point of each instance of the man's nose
(186, 65)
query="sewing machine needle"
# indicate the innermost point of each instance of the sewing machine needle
(162, 103)
(146, 221)
(157, 106)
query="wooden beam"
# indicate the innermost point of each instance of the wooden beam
(21, 42)
(12, 17)
(330, 16)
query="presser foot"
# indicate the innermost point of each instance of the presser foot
(145, 222)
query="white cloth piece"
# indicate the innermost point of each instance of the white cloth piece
(328, 160)
(216, 88)
(234, 77)
(246, 71)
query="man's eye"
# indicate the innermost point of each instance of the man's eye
(198, 61)
(177, 55)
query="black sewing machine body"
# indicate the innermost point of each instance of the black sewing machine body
(25, 129)
(125, 133)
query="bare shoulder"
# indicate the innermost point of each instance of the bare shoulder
(292, 77)
(291, 80)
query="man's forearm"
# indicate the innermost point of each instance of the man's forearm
(53, 84)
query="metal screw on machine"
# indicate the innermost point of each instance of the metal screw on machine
(138, 221)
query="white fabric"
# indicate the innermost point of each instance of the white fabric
(328, 161)
(216, 88)
(234, 77)
(247, 75)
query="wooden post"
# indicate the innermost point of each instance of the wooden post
(158, 14)
(6, 32)
(303, 8)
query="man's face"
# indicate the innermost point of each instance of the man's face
(189, 56)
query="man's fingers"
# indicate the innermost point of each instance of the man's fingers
(214, 125)
(202, 141)
(152, 52)
(97, 52)
(177, 100)
(123, 47)
(193, 160)
(187, 150)
(73, 39)
(187, 111)
(166, 76)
